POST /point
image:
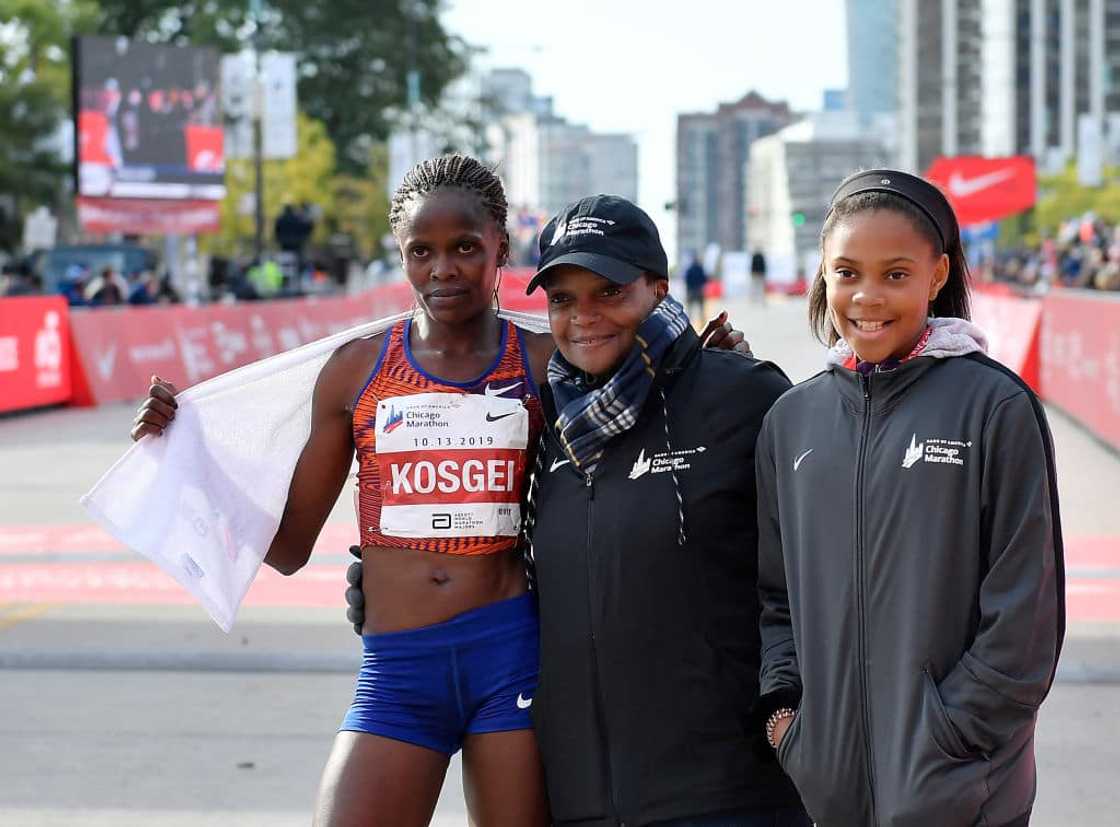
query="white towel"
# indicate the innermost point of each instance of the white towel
(203, 501)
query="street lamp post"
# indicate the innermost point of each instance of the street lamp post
(255, 7)
(412, 81)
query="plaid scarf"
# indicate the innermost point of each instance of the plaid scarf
(589, 415)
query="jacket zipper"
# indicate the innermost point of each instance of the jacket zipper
(589, 484)
(865, 383)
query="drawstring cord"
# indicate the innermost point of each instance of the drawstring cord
(530, 521)
(682, 537)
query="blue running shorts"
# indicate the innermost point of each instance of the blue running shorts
(431, 686)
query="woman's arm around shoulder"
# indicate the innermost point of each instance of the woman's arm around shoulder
(539, 348)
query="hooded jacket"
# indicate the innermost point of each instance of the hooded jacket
(649, 647)
(911, 580)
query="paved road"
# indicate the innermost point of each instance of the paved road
(121, 704)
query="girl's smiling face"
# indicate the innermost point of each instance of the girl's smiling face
(881, 276)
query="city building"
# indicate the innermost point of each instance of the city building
(407, 147)
(545, 166)
(872, 57)
(712, 153)
(510, 92)
(834, 100)
(793, 175)
(612, 164)
(1004, 77)
(939, 80)
(545, 161)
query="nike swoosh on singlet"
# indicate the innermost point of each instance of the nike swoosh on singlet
(523, 702)
(556, 463)
(491, 418)
(490, 390)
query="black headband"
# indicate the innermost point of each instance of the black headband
(918, 191)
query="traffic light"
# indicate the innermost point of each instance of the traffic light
(798, 218)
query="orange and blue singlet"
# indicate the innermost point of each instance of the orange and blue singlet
(442, 464)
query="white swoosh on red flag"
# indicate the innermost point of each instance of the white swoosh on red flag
(961, 187)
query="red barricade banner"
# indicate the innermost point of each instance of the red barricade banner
(1080, 347)
(117, 350)
(34, 352)
(512, 296)
(1012, 325)
(148, 216)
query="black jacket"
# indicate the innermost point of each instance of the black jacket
(650, 649)
(910, 567)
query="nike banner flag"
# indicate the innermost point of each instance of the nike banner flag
(986, 189)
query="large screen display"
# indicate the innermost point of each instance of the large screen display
(149, 122)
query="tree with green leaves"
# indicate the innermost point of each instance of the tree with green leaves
(34, 101)
(1062, 197)
(354, 55)
(306, 177)
(361, 205)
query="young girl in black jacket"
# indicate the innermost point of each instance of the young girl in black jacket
(910, 556)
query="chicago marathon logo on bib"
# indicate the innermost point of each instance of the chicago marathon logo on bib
(451, 464)
(394, 420)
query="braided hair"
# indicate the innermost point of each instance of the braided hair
(460, 171)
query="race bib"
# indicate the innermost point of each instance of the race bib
(451, 465)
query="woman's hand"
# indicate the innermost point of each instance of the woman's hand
(157, 411)
(780, 729)
(719, 333)
(355, 599)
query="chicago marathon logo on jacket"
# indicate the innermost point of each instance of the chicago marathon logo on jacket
(935, 451)
(659, 463)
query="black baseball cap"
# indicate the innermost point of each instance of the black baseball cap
(605, 234)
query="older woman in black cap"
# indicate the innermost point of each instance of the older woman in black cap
(642, 529)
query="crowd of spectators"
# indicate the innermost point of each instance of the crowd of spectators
(85, 287)
(100, 274)
(274, 277)
(1084, 253)
(109, 288)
